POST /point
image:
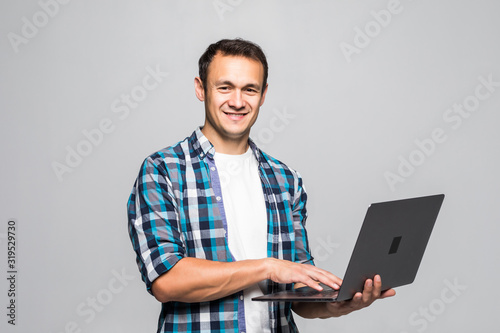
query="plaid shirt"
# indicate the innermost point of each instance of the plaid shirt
(176, 210)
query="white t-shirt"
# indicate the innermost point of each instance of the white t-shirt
(246, 218)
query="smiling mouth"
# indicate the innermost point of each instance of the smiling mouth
(235, 114)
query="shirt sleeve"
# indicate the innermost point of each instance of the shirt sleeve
(153, 222)
(302, 251)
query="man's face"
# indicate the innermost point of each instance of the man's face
(232, 97)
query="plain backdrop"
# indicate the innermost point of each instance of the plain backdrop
(368, 100)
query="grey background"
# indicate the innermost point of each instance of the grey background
(343, 124)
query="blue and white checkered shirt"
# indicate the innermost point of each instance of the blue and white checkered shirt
(176, 210)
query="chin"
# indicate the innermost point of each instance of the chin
(235, 135)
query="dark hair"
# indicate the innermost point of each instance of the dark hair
(231, 47)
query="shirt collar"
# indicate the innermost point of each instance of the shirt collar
(256, 150)
(204, 147)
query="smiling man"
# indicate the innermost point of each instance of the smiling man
(233, 92)
(206, 247)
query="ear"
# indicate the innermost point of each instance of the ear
(198, 89)
(263, 95)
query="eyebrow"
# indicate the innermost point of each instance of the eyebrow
(229, 83)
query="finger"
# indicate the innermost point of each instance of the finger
(328, 278)
(333, 277)
(356, 300)
(312, 283)
(333, 283)
(377, 281)
(388, 293)
(368, 291)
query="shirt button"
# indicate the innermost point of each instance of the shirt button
(212, 168)
(241, 297)
(218, 198)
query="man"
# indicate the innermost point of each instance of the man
(205, 247)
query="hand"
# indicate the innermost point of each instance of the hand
(284, 271)
(371, 292)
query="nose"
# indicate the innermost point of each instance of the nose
(236, 100)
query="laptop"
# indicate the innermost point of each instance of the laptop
(391, 243)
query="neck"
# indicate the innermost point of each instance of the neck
(225, 145)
